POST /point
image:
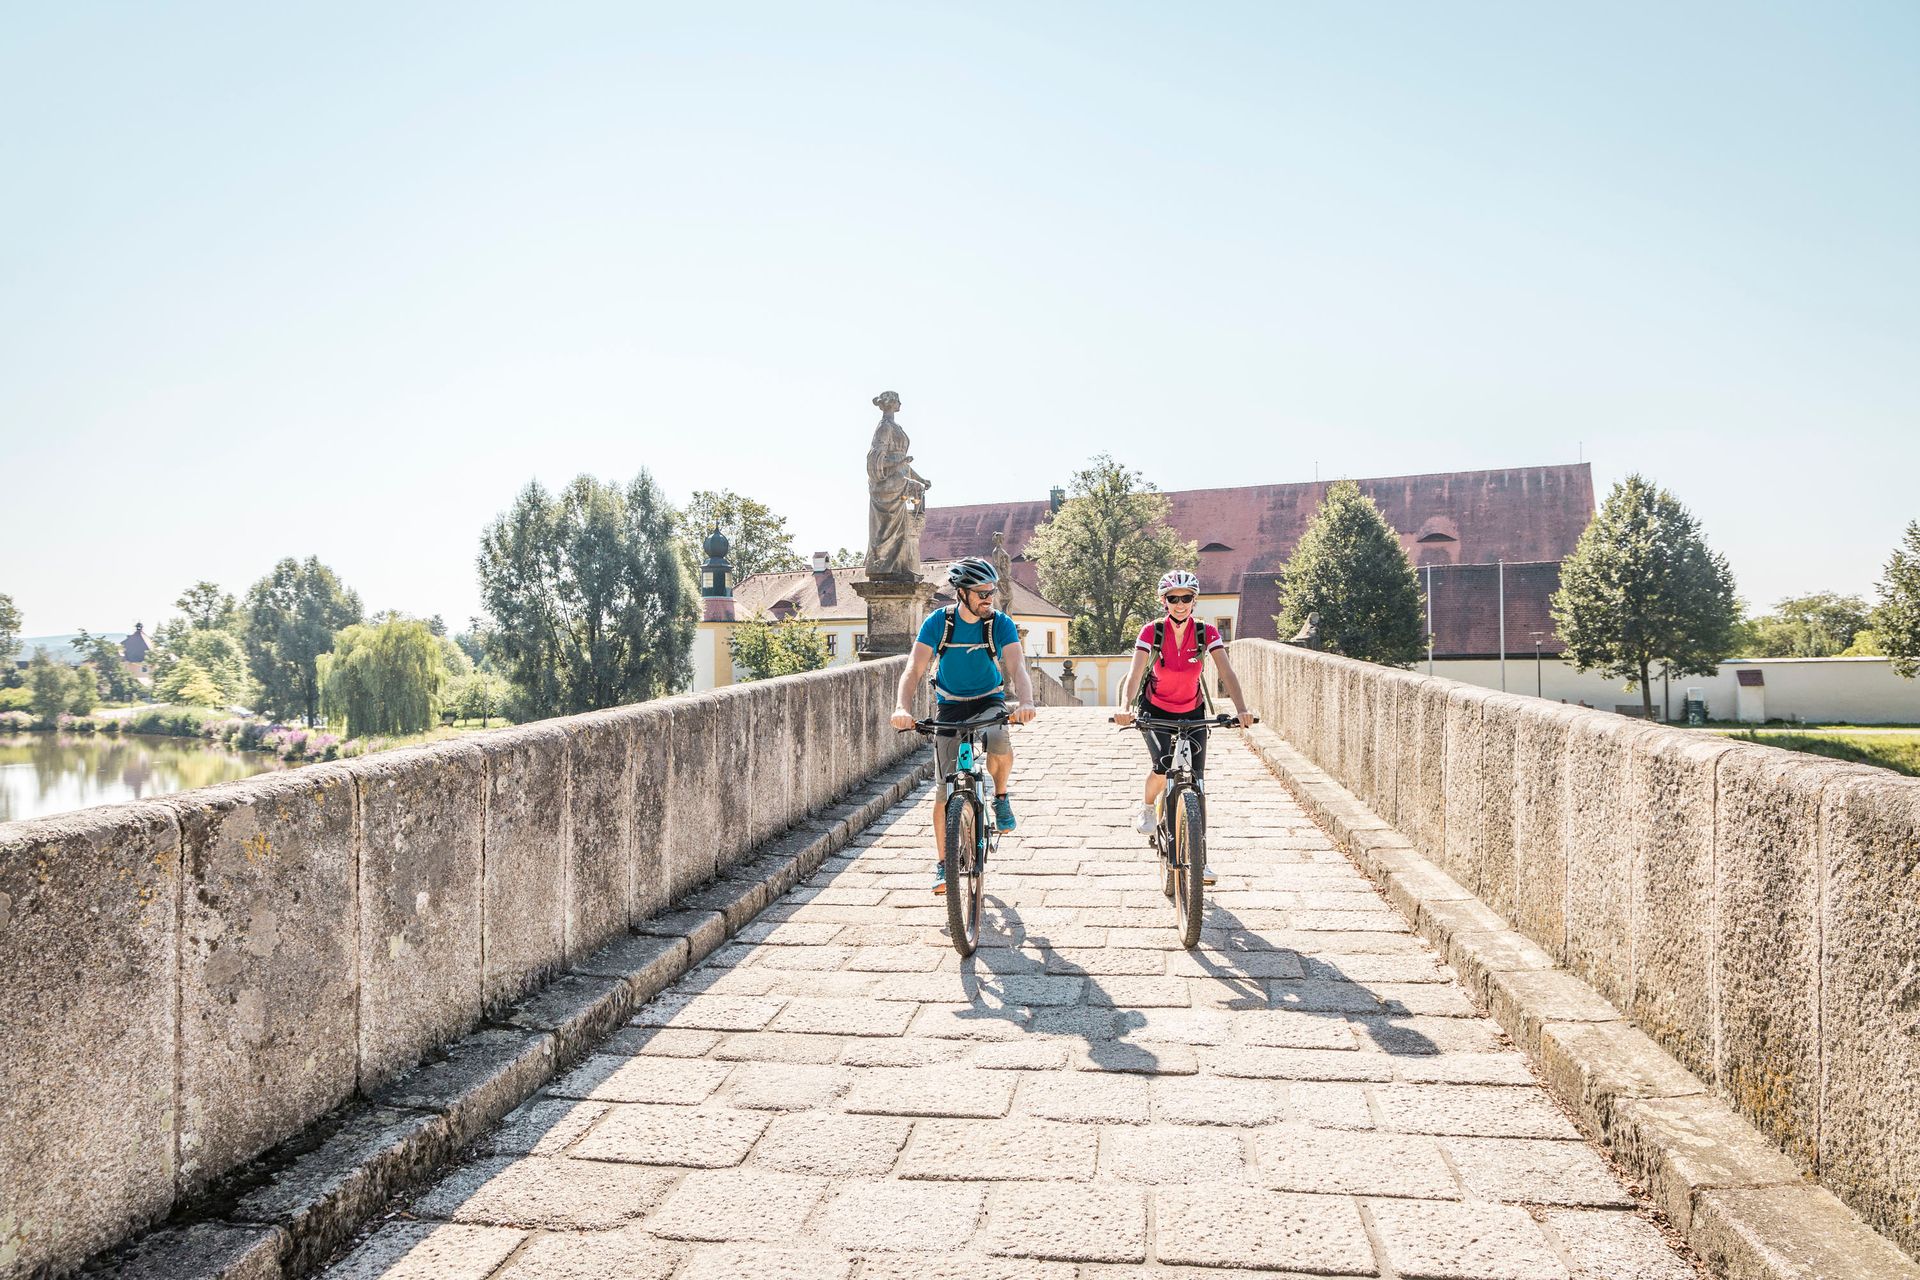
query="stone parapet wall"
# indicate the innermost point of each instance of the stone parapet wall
(1047, 689)
(188, 981)
(1754, 910)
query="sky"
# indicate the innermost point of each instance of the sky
(340, 280)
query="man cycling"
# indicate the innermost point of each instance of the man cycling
(973, 642)
(1173, 690)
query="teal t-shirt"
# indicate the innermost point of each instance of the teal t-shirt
(967, 670)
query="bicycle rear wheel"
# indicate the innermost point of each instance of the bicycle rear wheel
(1190, 861)
(966, 876)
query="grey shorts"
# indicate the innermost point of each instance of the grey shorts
(946, 750)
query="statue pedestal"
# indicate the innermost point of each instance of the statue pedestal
(895, 607)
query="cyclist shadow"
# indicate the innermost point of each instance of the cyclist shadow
(1251, 971)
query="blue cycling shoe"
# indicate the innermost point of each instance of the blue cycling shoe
(939, 877)
(1003, 813)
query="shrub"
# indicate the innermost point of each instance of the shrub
(15, 721)
(20, 699)
(174, 722)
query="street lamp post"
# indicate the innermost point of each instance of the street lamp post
(1538, 680)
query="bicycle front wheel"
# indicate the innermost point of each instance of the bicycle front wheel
(966, 876)
(1189, 865)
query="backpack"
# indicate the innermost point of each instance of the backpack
(1159, 640)
(946, 642)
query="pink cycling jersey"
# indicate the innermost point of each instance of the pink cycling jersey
(1176, 667)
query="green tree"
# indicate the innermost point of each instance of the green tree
(1350, 568)
(1100, 556)
(1642, 589)
(1814, 626)
(592, 598)
(292, 615)
(207, 607)
(478, 695)
(759, 539)
(219, 655)
(385, 678)
(1896, 621)
(764, 648)
(846, 558)
(189, 684)
(109, 667)
(9, 631)
(50, 684)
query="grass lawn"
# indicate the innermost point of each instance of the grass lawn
(1897, 751)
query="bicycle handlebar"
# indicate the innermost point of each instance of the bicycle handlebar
(1221, 721)
(950, 728)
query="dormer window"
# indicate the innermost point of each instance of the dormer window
(1429, 538)
(1216, 546)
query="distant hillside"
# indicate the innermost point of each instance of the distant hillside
(60, 648)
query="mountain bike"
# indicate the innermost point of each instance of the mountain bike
(1180, 836)
(970, 832)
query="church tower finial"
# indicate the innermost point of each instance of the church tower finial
(716, 574)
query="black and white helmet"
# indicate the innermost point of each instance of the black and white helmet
(1179, 580)
(972, 571)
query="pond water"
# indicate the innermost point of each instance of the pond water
(45, 773)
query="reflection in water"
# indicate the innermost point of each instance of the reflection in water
(44, 773)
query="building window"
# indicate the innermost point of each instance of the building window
(859, 642)
(1050, 634)
(833, 644)
(1225, 627)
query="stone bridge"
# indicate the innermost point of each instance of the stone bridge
(662, 992)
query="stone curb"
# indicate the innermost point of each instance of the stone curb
(1743, 1206)
(342, 1172)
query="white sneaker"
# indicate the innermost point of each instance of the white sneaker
(1144, 822)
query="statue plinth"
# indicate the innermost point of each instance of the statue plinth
(895, 606)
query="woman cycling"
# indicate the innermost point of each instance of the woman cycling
(1176, 647)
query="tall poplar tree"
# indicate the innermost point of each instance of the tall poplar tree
(1896, 622)
(592, 600)
(1350, 568)
(1642, 590)
(291, 617)
(1100, 556)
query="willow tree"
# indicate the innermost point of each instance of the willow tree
(1350, 568)
(1643, 590)
(385, 678)
(1100, 556)
(592, 600)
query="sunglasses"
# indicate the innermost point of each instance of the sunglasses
(1187, 599)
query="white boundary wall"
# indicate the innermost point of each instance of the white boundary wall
(1853, 690)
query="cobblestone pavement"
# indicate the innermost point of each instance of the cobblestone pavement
(836, 1094)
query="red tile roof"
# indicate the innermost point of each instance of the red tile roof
(1471, 517)
(829, 596)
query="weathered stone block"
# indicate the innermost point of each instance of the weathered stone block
(1390, 688)
(1493, 877)
(1540, 803)
(691, 825)
(420, 903)
(1870, 1020)
(268, 975)
(1461, 850)
(1423, 791)
(1670, 787)
(650, 875)
(600, 800)
(1600, 851)
(1767, 943)
(524, 888)
(89, 910)
(820, 776)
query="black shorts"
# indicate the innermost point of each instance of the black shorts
(1160, 742)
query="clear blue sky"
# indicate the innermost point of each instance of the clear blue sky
(339, 279)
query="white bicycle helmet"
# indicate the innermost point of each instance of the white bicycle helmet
(1179, 580)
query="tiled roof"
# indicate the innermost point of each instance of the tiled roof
(828, 596)
(1466, 608)
(1471, 517)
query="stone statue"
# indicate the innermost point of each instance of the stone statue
(1308, 637)
(896, 499)
(1003, 565)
